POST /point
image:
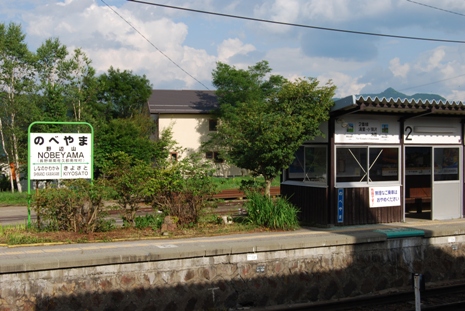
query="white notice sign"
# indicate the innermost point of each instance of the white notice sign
(60, 156)
(384, 196)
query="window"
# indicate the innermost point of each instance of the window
(173, 156)
(446, 163)
(212, 125)
(367, 164)
(309, 165)
(215, 156)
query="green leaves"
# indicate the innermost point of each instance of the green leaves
(123, 93)
(263, 121)
(276, 214)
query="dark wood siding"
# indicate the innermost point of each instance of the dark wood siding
(312, 202)
(357, 209)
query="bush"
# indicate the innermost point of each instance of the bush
(77, 206)
(149, 221)
(129, 179)
(278, 214)
(181, 189)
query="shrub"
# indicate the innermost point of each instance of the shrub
(182, 188)
(278, 214)
(129, 179)
(149, 221)
(77, 206)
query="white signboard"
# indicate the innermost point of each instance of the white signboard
(60, 155)
(351, 129)
(384, 196)
(432, 131)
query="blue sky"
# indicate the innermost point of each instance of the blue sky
(195, 42)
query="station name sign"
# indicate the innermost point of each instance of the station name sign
(60, 155)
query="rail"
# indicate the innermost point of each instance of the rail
(236, 194)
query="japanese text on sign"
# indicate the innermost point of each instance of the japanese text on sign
(384, 196)
(60, 156)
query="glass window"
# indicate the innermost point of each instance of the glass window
(315, 164)
(310, 164)
(446, 164)
(384, 164)
(351, 164)
(296, 169)
(367, 164)
(215, 156)
(212, 125)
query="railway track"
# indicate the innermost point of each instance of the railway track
(448, 298)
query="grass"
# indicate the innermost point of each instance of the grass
(276, 214)
(209, 225)
(16, 198)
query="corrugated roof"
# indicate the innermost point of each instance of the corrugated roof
(397, 106)
(182, 101)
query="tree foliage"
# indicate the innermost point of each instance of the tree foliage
(263, 119)
(60, 85)
(123, 93)
(16, 82)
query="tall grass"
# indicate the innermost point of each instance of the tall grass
(278, 214)
(8, 198)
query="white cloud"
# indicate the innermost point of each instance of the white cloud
(430, 60)
(398, 69)
(195, 41)
(456, 95)
(346, 85)
(232, 47)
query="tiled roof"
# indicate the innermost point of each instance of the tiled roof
(182, 101)
(397, 106)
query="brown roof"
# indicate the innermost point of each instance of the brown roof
(182, 101)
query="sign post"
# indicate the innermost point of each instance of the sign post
(59, 156)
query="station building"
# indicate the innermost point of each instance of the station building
(381, 161)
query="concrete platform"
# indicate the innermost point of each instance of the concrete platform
(44, 257)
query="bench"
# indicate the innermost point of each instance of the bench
(418, 196)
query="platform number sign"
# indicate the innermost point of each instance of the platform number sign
(408, 131)
(340, 205)
(60, 155)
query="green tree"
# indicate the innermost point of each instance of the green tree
(129, 178)
(133, 137)
(51, 68)
(81, 93)
(66, 85)
(123, 94)
(262, 128)
(16, 80)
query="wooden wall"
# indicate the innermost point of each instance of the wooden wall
(312, 202)
(357, 209)
(316, 208)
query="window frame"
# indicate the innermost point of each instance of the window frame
(173, 156)
(212, 125)
(305, 179)
(214, 156)
(367, 182)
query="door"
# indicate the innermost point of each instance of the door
(418, 182)
(447, 186)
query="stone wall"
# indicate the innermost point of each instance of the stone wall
(239, 280)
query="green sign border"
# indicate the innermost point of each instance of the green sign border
(29, 196)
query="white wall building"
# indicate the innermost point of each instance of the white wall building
(188, 113)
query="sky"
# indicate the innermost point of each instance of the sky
(178, 49)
